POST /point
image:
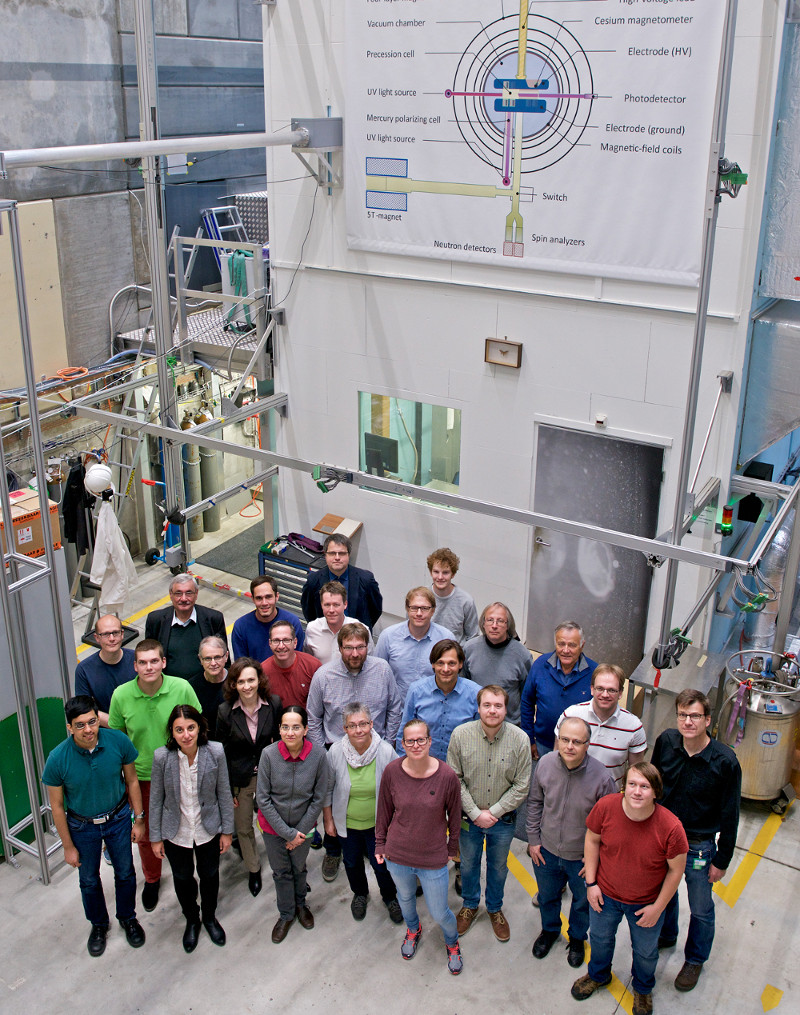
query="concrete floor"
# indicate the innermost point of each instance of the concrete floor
(343, 965)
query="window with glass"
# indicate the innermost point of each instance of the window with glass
(415, 442)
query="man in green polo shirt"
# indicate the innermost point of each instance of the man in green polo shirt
(90, 778)
(141, 708)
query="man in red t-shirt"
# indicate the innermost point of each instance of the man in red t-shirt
(289, 672)
(634, 856)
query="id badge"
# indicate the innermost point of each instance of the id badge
(699, 862)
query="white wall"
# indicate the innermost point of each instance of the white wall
(416, 329)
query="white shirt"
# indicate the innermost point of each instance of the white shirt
(322, 643)
(191, 829)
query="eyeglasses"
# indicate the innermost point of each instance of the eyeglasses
(212, 659)
(571, 741)
(419, 609)
(606, 691)
(496, 622)
(290, 729)
(350, 649)
(337, 553)
(281, 641)
(357, 725)
(110, 634)
(692, 717)
(90, 723)
(416, 742)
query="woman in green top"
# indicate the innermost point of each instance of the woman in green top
(356, 764)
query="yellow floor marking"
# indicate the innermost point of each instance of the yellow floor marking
(730, 892)
(771, 997)
(616, 988)
(129, 621)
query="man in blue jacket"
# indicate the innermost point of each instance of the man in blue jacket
(363, 596)
(554, 683)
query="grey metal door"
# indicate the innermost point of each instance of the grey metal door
(604, 481)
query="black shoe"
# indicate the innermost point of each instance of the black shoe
(667, 942)
(254, 883)
(133, 932)
(150, 895)
(543, 943)
(576, 952)
(395, 912)
(215, 931)
(97, 939)
(358, 907)
(191, 935)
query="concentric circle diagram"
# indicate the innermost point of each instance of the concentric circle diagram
(544, 79)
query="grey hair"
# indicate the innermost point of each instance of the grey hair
(212, 639)
(355, 708)
(184, 579)
(570, 625)
(583, 722)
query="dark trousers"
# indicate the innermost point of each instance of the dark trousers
(87, 838)
(182, 861)
(358, 843)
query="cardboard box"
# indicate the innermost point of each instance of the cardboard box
(26, 522)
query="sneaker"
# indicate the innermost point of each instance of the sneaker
(150, 895)
(585, 986)
(330, 867)
(688, 976)
(408, 948)
(454, 961)
(316, 840)
(358, 907)
(500, 926)
(464, 919)
(642, 1004)
(97, 940)
(133, 932)
(395, 912)
(535, 901)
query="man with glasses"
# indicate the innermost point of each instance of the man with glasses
(554, 683)
(566, 785)
(407, 647)
(91, 783)
(210, 683)
(702, 787)
(289, 672)
(182, 626)
(492, 760)
(618, 737)
(362, 593)
(102, 673)
(497, 656)
(355, 676)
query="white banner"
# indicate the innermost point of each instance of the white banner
(569, 135)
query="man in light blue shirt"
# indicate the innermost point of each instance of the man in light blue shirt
(407, 647)
(443, 701)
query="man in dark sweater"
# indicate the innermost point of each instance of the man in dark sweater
(181, 627)
(102, 673)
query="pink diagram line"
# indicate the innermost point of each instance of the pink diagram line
(507, 159)
(539, 94)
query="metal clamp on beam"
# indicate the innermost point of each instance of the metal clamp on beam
(731, 178)
(323, 137)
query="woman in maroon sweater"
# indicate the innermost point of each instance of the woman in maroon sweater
(418, 805)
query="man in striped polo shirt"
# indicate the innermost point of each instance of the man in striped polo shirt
(618, 738)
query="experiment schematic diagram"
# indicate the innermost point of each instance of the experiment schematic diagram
(457, 108)
(521, 99)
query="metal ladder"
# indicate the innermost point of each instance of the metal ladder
(223, 223)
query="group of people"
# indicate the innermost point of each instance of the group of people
(432, 744)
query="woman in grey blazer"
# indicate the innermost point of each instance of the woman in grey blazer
(191, 816)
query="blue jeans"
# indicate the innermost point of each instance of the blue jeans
(550, 880)
(88, 840)
(498, 842)
(701, 905)
(434, 887)
(644, 943)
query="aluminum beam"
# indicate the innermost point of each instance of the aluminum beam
(650, 547)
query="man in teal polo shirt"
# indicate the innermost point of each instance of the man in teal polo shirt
(90, 778)
(141, 708)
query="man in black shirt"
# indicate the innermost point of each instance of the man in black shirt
(702, 786)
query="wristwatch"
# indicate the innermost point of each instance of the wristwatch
(591, 884)
(138, 817)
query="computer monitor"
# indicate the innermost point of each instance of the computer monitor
(380, 454)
